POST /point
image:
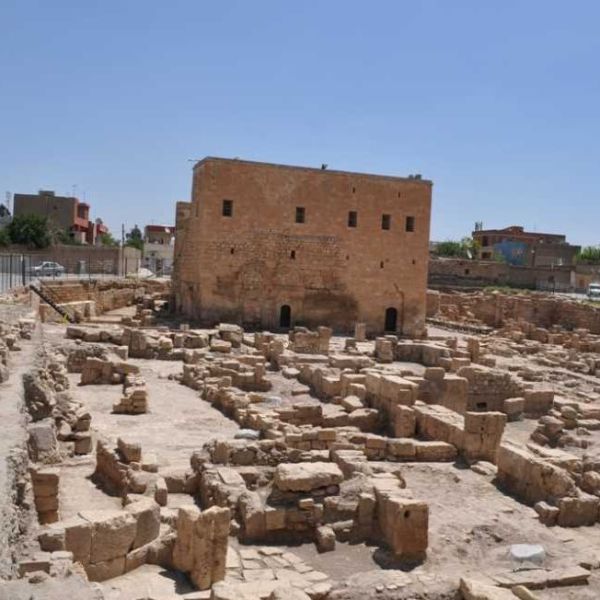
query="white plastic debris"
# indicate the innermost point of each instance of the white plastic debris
(534, 553)
(247, 434)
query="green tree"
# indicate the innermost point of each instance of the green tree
(30, 230)
(4, 237)
(465, 248)
(106, 239)
(62, 236)
(134, 238)
(589, 255)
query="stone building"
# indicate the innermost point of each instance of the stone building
(274, 246)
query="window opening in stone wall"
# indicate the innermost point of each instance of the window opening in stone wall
(386, 221)
(381, 265)
(300, 214)
(352, 218)
(228, 208)
(232, 251)
(293, 255)
(410, 223)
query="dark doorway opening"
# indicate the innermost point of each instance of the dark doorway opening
(285, 317)
(391, 319)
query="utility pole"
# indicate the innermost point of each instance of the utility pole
(123, 273)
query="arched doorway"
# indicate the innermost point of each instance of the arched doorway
(285, 316)
(391, 319)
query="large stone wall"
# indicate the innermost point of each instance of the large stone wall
(244, 268)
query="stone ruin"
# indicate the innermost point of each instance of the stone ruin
(331, 434)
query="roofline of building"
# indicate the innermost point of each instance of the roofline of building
(301, 168)
(507, 231)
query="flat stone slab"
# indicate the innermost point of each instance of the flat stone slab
(304, 477)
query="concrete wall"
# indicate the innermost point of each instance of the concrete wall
(109, 260)
(244, 268)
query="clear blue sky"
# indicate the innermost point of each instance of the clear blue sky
(497, 102)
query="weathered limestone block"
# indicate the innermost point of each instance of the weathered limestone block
(475, 590)
(547, 514)
(99, 371)
(405, 422)
(253, 513)
(146, 513)
(325, 539)
(231, 333)
(40, 398)
(360, 332)
(218, 345)
(483, 433)
(304, 477)
(434, 451)
(130, 451)
(351, 403)
(45, 482)
(529, 477)
(538, 401)
(384, 350)
(42, 443)
(366, 419)
(578, 511)
(78, 539)
(201, 545)
(513, 408)
(113, 533)
(135, 397)
(183, 552)
(403, 521)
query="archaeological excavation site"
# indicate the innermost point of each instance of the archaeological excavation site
(293, 415)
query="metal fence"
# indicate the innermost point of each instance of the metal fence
(18, 270)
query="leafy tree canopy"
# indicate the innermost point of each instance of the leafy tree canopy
(30, 230)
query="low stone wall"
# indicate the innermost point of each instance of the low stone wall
(543, 310)
(476, 435)
(106, 294)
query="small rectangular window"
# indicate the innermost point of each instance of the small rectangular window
(228, 208)
(410, 223)
(386, 221)
(352, 218)
(300, 214)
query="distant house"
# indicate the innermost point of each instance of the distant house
(159, 245)
(64, 213)
(518, 247)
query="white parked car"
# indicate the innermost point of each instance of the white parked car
(594, 291)
(48, 268)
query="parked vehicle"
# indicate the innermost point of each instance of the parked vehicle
(594, 291)
(48, 269)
